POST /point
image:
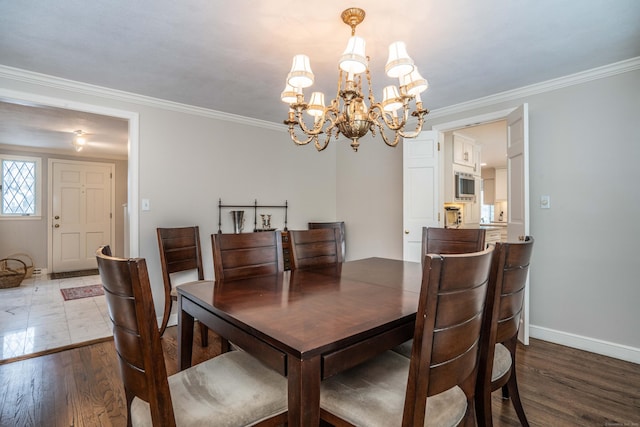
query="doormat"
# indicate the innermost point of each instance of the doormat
(79, 273)
(82, 292)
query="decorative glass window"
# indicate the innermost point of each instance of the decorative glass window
(21, 183)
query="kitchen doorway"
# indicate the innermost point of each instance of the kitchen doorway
(517, 149)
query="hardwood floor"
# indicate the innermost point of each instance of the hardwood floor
(559, 386)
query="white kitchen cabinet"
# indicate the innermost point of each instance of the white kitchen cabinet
(477, 159)
(501, 185)
(464, 150)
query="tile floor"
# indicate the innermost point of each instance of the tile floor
(34, 316)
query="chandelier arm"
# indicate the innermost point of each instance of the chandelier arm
(388, 120)
(416, 131)
(295, 139)
(317, 126)
(326, 142)
(396, 140)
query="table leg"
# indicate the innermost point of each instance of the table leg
(304, 391)
(185, 336)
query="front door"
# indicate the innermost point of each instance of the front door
(81, 212)
(421, 184)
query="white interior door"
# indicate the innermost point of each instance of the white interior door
(81, 212)
(518, 192)
(421, 192)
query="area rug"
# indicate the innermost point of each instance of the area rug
(79, 273)
(82, 292)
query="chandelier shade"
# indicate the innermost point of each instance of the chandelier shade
(348, 113)
(354, 60)
(399, 63)
(300, 75)
(415, 83)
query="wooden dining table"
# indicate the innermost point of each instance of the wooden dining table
(307, 324)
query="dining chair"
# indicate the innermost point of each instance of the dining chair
(230, 389)
(435, 387)
(315, 247)
(503, 311)
(180, 252)
(244, 255)
(335, 224)
(437, 240)
(446, 241)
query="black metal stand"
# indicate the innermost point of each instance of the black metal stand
(255, 207)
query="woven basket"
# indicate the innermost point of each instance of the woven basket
(28, 261)
(11, 274)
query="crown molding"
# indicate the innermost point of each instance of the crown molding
(538, 88)
(31, 77)
(118, 95)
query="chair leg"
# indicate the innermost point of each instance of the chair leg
(225, 346)
(512, 386)
(505, 392)
(204, 335)
(484, 415)
(168, 304)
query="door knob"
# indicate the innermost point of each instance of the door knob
(56, 217)
(57, 226)
(406, 231)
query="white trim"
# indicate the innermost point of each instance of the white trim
(85, 88)
(537, 88)
(606, 348)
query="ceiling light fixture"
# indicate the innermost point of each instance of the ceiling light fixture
(348, 113)
(79, 141)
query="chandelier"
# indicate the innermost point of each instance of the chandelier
(347, 113)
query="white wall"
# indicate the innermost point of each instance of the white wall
(369, 198)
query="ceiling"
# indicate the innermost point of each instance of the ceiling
(233, 56)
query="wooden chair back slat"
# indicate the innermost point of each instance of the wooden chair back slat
(452, 240)
(239, 256)
(315, 247)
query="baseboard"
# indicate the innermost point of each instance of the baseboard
(593, 345)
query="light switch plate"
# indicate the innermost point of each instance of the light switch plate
(146, 206)
(545, 202)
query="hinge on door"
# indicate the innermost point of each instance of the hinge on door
(438, 212)
(438, 146)
(110, 175)
(110, 215)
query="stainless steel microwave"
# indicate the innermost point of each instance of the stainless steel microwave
(465, 186)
